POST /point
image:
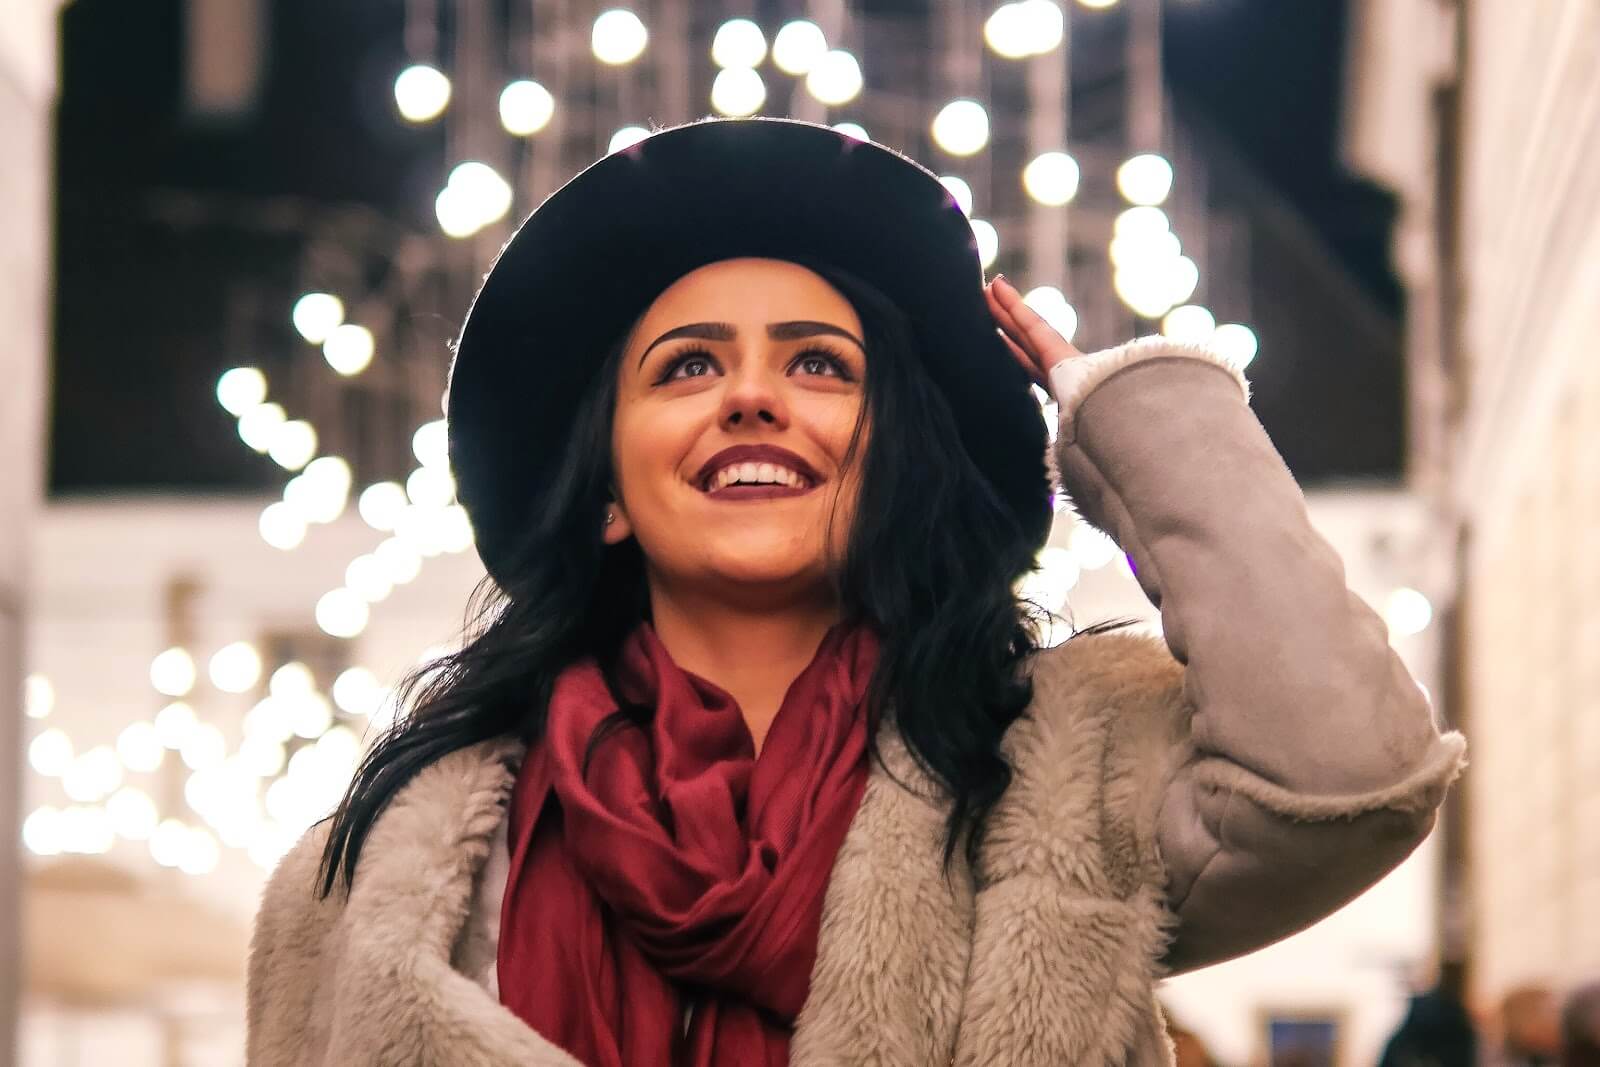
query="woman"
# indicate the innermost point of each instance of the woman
(756, 758)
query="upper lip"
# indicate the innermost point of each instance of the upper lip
(778, 457)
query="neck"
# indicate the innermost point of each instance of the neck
(753, 654)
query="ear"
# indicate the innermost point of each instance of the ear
(619, 529)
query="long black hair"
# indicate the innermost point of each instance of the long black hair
(932, 564)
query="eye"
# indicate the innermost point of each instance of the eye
(821, 357)
(688, 358)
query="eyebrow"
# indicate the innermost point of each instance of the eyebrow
(777, 331)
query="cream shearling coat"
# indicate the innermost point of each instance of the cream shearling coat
(1174, 804)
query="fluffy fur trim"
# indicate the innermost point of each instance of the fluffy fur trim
(1074, 379)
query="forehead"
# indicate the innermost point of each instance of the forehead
(749, 289)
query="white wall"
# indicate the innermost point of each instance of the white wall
(27, 87)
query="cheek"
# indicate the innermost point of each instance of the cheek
(645, 446)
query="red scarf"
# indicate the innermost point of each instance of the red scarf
(682, 871)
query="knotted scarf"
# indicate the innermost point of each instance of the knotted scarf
(679, 877)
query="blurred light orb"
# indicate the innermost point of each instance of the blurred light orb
(1407, 611)
(1145, 179)
(988, 239)
(400, 561)
(431, 444)
(626, 138)
(315, 499)
(272, 719)
(1045, 24)
(483, 189)
(349, 349)
(455, 529)
(961, 127)
(798, 46)
(381, 503)
(357, 691)
(292, 679)
(86, 830)
(1098, 4)
(95, 774)
(959, 190)
(738, 91)
(1006, 31)
(1051, 178)
(852, 129)
(835, 78)
(174, 723)
(316, 315)
(1141, 222)
(204, 748)
(1144, 288)
(1236, 343)
(200, 853)
(1051, 580)
(240, 389)
(1092, 548)
(341, 613)
(330, 471)
(50, 754)
(172, 672)
(430, 487)
(263, 754)
(337, 750)
(619, 37)
(168, 841)
(312, 716)
(139, 747)
(1183, 277)
(1052, 305)
(421, 92)
(738, 43)
(526, 107)
(38, 696)
(133, 814)
(234, 668)
(1189, 324)
(456, 214)
(365, 577)
(257, 425)
(281, 526)
(293, 444)
(41, 831)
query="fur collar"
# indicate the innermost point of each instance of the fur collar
(1046, 955)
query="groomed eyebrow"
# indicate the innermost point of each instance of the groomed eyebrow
(777, 331)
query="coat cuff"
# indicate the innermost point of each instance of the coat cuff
(1072, 380)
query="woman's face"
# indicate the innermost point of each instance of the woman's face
(764, 358)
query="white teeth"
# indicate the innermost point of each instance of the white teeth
(757, 474)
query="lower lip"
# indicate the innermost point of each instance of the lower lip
(757, 492)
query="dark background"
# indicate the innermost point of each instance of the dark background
(160, 215)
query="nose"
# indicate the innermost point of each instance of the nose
(754, 394)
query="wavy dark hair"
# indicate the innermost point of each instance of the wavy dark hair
(932, 564)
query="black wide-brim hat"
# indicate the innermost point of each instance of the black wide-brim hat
(590, 259)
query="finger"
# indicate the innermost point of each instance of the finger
(1004, 317)
(1035, 332)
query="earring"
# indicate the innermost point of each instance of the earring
(611, 517)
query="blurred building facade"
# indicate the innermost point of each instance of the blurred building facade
(27, 97)
(1484, 118)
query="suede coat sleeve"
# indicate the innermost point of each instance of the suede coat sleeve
(1289, 760)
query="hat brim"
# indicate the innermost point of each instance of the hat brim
(593, 256)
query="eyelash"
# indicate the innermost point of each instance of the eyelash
(697, 352)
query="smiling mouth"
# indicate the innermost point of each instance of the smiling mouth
(756, 481)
